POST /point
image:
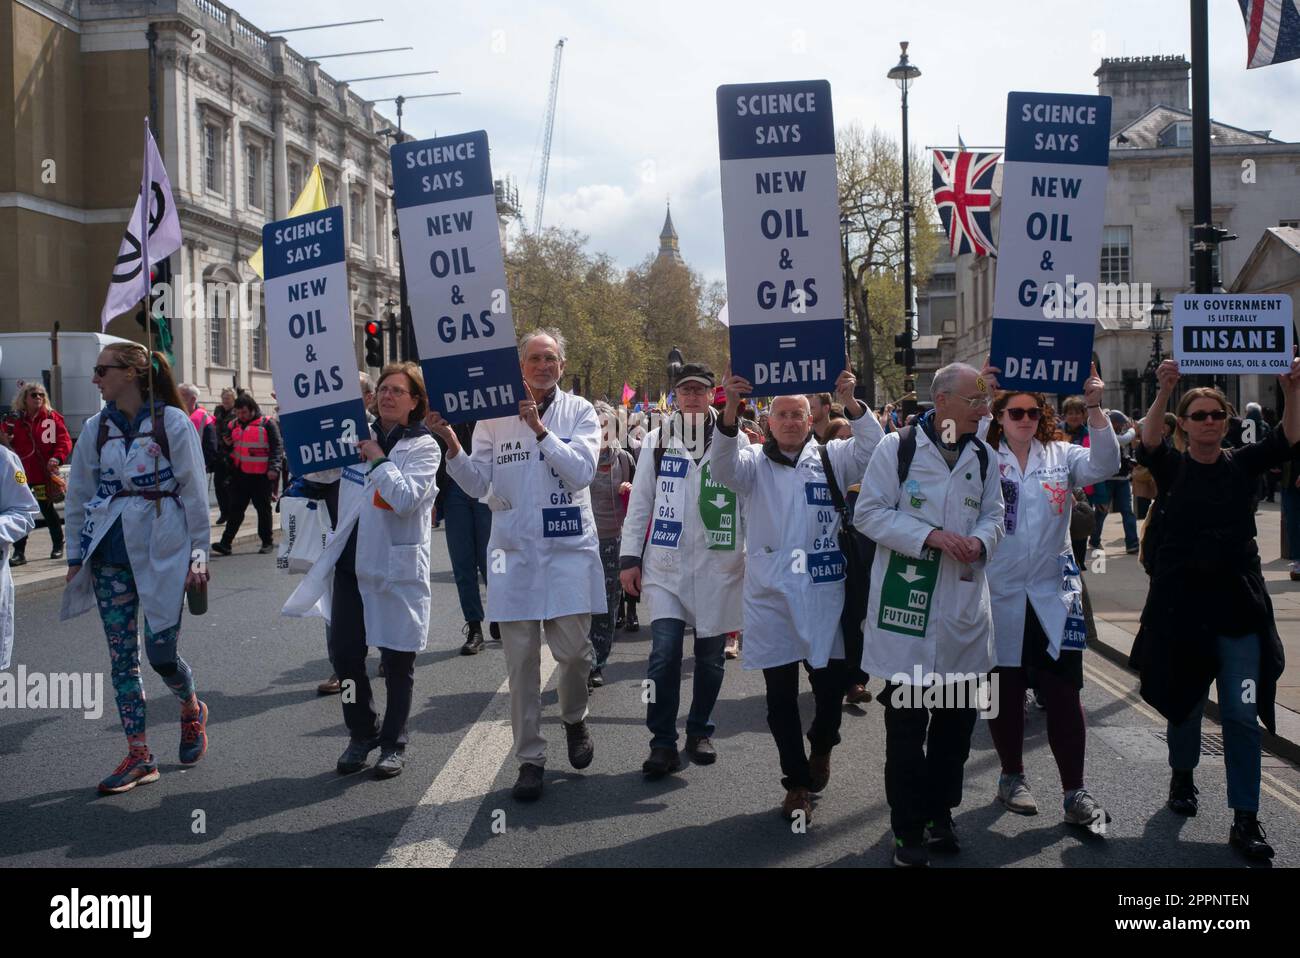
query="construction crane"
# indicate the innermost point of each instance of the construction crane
(550, 126)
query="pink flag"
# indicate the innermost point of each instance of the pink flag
(628, 393)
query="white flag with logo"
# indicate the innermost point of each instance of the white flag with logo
(130, 281)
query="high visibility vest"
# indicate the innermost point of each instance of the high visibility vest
(252, 447)
(201, 417)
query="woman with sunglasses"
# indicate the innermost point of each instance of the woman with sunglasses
(138, 536)
(1208, 616)
(1036, 590)
(38, 435)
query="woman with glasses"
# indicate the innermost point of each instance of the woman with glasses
(138, 537)
(1036, 590)
(1208, 616)
(373, 576)
(38, 435)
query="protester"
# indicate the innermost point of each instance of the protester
(615, 470)
(137, 511)
(222, 466)
(794, 570)
(692, 570)
(1037, 593)
(39, 437)
(819, 405)
(204, 422)
(1208, 615)
(375, 570)
(550, 580)
(837, 428)
(1119, 494)
(17, 506)
(469, 526)
(932, 503)
(257, 460)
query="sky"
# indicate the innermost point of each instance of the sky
(636, 122)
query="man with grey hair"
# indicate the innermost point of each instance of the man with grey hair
(933, 505)
(203, 421)
(545, 577)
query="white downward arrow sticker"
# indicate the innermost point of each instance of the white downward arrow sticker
(911, 575)
(720, 501)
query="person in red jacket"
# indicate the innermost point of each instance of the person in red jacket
(38, 435)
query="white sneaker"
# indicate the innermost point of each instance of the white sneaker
(1085, 811)
(1013, 792)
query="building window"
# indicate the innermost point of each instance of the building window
(213, 175)
(381, 229)
(295, 181)
(260, 358)
(1116, 254)
(356, 221)
(218, 324)
(256, 188)
(1216, 274)
(1294, 224)
(331, 190)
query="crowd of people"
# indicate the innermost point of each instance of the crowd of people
(942, 551)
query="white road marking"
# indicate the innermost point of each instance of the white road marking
(432, 836)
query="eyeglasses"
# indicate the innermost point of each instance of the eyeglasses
(1020, 412)
(975, 402)
(101, 370)
(393, 391)
(1218, 415)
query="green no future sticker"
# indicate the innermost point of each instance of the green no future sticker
(907, 591)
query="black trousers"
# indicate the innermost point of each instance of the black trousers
(829, 685)
(348, 650)
(925, 757)
(221, 476)
(246, 488)
(52, 522)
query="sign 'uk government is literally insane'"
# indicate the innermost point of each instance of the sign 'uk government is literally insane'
(1049, 252)
(455, 276)
(309, 333)
(1233, 334)
(781, 223)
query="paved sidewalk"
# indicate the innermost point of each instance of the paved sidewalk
(1119, 594)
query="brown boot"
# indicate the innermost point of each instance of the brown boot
(796, 800)
(819, 766)
(857, 695)
(331, 686)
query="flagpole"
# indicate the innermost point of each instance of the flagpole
(146, 193)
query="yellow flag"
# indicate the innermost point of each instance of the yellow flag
(311, 199)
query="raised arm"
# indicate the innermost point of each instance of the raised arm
(1153, 426)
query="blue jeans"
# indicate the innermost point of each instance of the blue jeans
(1291, 519)
(665, 671)
(469, 523)
(1238, 663)
(1120, 494)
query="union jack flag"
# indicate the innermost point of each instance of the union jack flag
(963, 194)
(1272, 31)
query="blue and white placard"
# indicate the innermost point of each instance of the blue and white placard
(456, 277)
(1233, 334)
(309, 333)
(781, 232)
(1049, 252)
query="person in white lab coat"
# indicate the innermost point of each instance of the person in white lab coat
(17, 508)
(693, 569)
(138, 537)
(374, 573)
(1036, 590)
(545, 577)
(936, 520)
(794, 569)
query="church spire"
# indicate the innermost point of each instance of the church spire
(668, 248)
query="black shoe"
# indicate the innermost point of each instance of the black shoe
(1182, 794)
(910, 852)
(267, 549)
(221, 549)
(661, 762)
(701, 750)
(528, 787)
(17, 559)
(57, 553)
(354, 756)
(581, 749)
(632, 624)
(473, 632)
(1248, 837)
(595, 679)
(383, 672)
(943, 835)
(494, 630)
(390, 763)
(220, 521)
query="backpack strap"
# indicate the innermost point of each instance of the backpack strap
(837, 497)
(906, 451)
(157, 431)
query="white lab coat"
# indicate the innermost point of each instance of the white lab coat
(701, 586)
(17, 509)
(392, 557)
(954, 622)
(543, 553)
(161, 545)
(1034, 560)
(794, 571)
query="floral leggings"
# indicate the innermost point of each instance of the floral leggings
(118, 602)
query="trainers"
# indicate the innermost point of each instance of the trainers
(473, 632)
(819, 768)
(390, 764)
(1182, 794)
(194, 735)
(132, 772)
(331, 686)
(221, 549)
(1295, 571)
(700, 749)
(1014, 794)
(1247, 836)
(266, 549)
(354, 756)
(857, 695)
(943, 835)
(661, 762)
(581, 749)
(632, 625)
(595, 679)
(57, 552)
(1083, 810)
(528, 787)
(796, 802)
(910, 852)
(17, 559)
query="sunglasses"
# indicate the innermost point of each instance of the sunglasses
(101, 370)
(1218, 415)
(1018, 413)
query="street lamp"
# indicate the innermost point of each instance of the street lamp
(1160, 313)
(845, 222)
(903, 74)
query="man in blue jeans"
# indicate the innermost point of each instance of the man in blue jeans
(693, 569)
(469, 524)
(1117, 494)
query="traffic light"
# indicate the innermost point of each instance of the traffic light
(904, 354)
(160, 281)
(374, 345)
